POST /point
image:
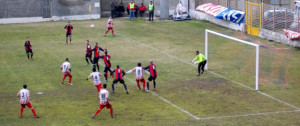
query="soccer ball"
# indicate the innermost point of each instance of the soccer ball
(92, 25)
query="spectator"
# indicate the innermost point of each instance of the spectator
(131, 9)
(120, 10)
(116, 10)
(112, 8)
(151, 10)
(142, 9)
(136, 8)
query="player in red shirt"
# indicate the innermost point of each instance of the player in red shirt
(119, 78)
(96, 50)
(24, 100)
(28, 48)
(153, 74)
(109, 26)
(106, 59)
(88, 54)
(68, 29)
(104, 102)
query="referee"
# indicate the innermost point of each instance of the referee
(201, 60)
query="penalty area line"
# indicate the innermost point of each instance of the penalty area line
(167, 101)
(262, 93)
(246, 115)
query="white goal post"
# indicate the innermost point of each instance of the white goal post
(237, 40)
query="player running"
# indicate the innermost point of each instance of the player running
(201, 59)
(104, 102)
(96, 56)
(138, 75)
(153, 74)
(109, 26)
(68, 29)
(66, 70)
(88, 54)
(119, 78)
(96, 77)
(28, 48)
(24, 100)
(106, 59)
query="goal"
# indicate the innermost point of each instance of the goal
(233, 58)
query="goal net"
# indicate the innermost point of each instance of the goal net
(232, 58)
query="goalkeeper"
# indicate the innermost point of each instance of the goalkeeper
(201, 60)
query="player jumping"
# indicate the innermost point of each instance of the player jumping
(28, 48)
(153, 74)
(96, 56)
(66, 70)
(138, 75)
(109, 26)
(106, 59)
(104, 102)
(96, 77)
(201, 59)
(68, 29)
(88, 54)
(24, 100)
(119, 78)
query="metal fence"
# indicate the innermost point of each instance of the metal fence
(273, 18)
(279, 18)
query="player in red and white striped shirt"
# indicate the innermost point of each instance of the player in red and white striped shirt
(110, 26)
(139, 77)
(104, 102)
(66, 70)
(96, 77)
(24, 100)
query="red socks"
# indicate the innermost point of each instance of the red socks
(111, 111)
(33, 112)
(97, 112)
(21, 111)
(64, 78)
(70, 79)
(138, 84)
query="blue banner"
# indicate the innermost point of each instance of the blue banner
(234, 16)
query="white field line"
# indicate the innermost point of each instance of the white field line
(167, 101)
(271, 97)
(246, 115)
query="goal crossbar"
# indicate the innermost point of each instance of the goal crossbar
(237, 40)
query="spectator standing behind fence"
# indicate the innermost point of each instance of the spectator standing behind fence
(112, 8)
(136, 8)
(151, 10)
(131, 7)
(142, 9)
(120, 10)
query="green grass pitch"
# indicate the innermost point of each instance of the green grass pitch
(204, 97)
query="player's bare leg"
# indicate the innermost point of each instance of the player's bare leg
(31, 56)
(70, 40)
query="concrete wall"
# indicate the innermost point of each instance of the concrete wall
(278, 37)
(203, 16)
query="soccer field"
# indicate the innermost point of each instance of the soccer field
(182, 98)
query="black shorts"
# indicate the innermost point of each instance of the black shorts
(68, 34)
(95, 60)
(29, 51)
(87, 55)
(116, 81)
(106, 69)
(151, 78)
